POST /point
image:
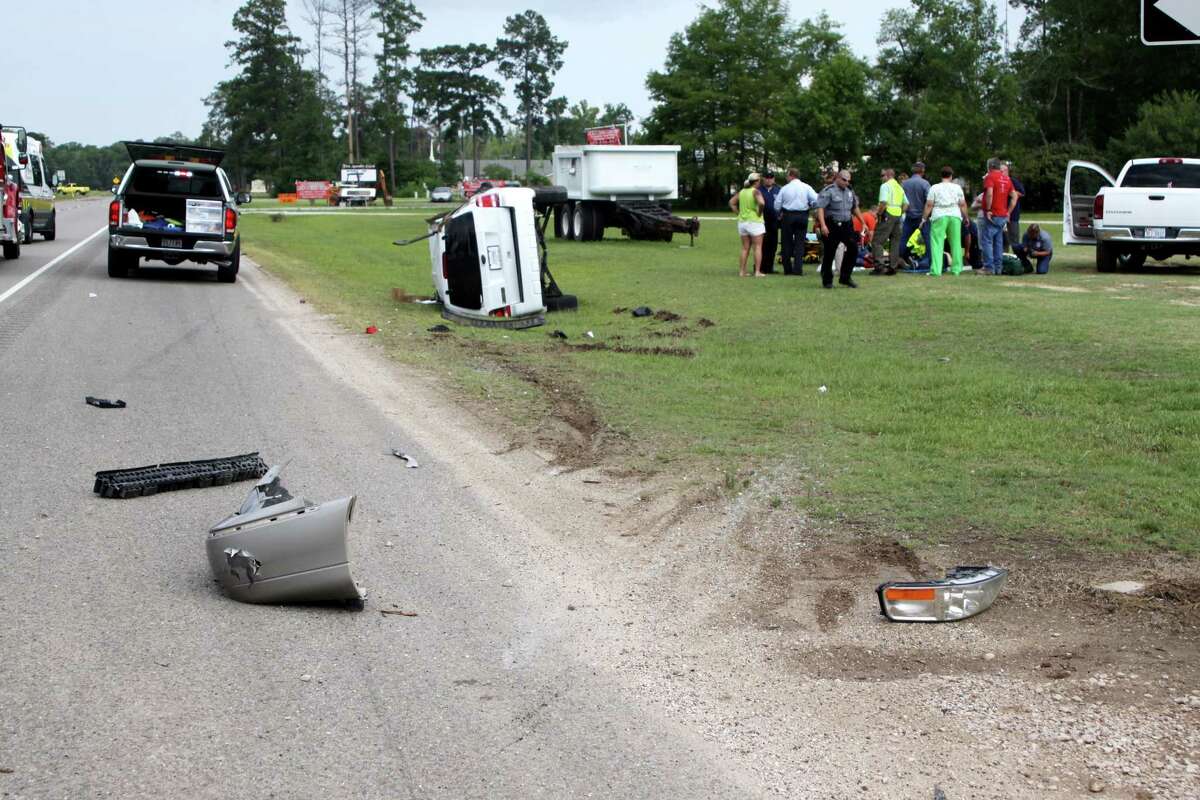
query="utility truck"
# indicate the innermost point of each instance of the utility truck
(357, 184)
(619, 186)
(1150, 210)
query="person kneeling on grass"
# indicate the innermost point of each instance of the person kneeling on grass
(748, 204)
(1038, 244)
(945, 210)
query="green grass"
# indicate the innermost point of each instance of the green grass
(951, 403)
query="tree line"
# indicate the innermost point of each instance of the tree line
(281, 114)
(743, 87)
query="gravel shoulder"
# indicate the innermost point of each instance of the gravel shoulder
(757, 629)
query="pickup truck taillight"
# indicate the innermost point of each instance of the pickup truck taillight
(230, 220)
(114, 214)
(1098, 207)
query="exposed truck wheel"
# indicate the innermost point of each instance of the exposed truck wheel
(12, 250)
(563, 302)
(227, 273)
(28, 223)
(51, 231)
(549, 195)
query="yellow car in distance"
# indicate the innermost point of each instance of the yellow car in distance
(72, 189)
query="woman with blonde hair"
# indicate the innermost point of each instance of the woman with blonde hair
(748, 204)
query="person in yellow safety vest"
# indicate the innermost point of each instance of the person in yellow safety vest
(892, 205)
(916, 244)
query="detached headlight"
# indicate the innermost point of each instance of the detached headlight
(964, 592)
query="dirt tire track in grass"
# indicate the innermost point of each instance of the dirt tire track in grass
(576, 444)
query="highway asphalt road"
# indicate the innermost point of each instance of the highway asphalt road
(124, 671)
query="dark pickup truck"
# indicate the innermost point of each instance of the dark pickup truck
(174, 204)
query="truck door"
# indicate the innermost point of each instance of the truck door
(1083, 182)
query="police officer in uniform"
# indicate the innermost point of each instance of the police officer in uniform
(836, 206)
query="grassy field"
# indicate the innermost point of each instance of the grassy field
(1059, 408)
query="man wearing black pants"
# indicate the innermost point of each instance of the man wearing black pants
(794, 202)
(770, 213)
(837, 205)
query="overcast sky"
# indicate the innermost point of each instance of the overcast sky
(101, 72)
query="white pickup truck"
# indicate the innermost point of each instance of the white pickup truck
(1151, 209)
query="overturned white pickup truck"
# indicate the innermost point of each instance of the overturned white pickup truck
(1152, 209)
(489, 259)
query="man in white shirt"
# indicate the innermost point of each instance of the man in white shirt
(794, 202)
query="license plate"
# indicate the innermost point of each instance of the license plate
(1156, 233)
(176, 243)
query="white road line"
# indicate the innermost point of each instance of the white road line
(52, 263)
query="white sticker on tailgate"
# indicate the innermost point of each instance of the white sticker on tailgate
(205, 216)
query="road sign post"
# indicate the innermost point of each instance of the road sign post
(1170, 22)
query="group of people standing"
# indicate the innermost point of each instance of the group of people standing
(914, 225)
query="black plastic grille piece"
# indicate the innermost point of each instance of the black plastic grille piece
(145, 481)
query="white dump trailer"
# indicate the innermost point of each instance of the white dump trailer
(619, 186)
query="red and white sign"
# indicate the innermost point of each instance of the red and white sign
(312, 190)
(609, 135)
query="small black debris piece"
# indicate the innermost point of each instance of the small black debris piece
(438, 329)
(145, 481)
(100, 402)
(642, 311)
(557, 335)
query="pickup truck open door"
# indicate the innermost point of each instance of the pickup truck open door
(1084, 181)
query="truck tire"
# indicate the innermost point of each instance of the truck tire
(560, 222)
(118, 264)
(51, 232)
(228, 273)
(549, 196)
(569, 220)
(1106, 257)
(563, 302)
(597, 222)
(12, 250)
(583, 222)
(28, 223)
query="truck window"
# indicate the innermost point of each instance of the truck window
(1163, 176)
(181, 181)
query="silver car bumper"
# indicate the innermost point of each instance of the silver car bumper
(282, 549)
(1132, 235)
(203, 250)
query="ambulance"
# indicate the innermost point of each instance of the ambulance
(11, 230)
